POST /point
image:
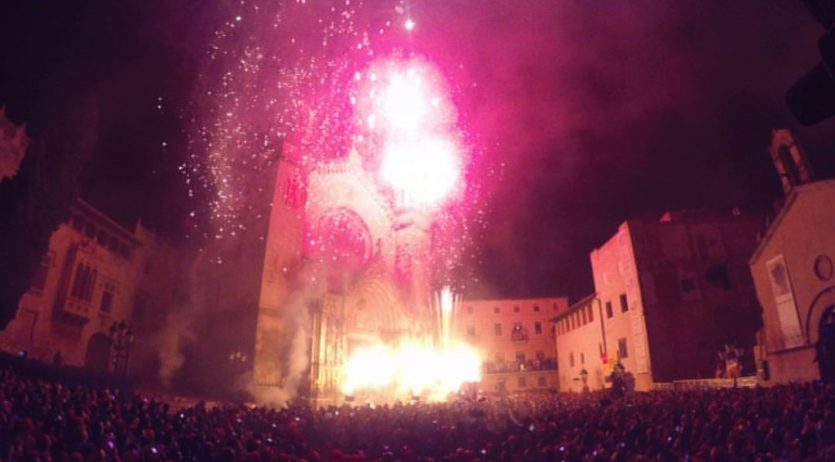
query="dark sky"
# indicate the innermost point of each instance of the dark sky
(583, 114)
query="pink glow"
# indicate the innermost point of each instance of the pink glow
(410, 116)
(425, 171)
(405, 102)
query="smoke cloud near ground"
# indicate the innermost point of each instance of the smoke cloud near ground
(294, 360)
(177, 331)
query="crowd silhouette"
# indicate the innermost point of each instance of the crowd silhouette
(49, 420)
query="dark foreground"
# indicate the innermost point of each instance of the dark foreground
(43, 420)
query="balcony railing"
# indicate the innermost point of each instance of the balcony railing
(496, 367)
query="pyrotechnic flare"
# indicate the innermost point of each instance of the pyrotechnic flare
(446, 304)
(404, 109)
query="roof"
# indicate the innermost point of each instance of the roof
(85, 207)
(576, 306)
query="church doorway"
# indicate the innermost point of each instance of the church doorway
(97, 357)
(826, 345)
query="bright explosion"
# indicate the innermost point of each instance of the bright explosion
(412, 369)
(412, 122)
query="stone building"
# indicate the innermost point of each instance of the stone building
(792, 269)
(669, 294)
(344, 266)
(580, 337)
(86, 283)
(13, 145)
(516, 339)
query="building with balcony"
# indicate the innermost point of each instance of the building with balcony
(86, 283)
(516, 340)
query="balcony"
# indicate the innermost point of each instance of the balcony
(74, 311)
(533, 365)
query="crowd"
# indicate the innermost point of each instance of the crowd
(44, 420)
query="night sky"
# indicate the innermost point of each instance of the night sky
(580, 114)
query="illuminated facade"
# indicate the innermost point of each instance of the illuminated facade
(516, 340)
(792, 269)
(87, 281)
(669, 295)
(343, 268)
(580, 339)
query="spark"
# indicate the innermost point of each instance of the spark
(411, 369)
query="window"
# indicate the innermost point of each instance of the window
(497, 329)
(522, 382)
(537, 327)
(519, 333)
(497, 310)
(701, 246)
(623, 352)
(585, 317)
(571, 359)
(470, 309)
(471, 331)
(540, 355)
(107, 297)
(688, 285)
(542, 382)
(39, 280)
(536, 308)
(624, 305)
(85, 279)
(609, 313)
(571, 322)
(717, 276)
(591, 313)
(113, 244)
(516, 309)
(582, 358)
(520, 356)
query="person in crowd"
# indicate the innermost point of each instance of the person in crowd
(48, 420)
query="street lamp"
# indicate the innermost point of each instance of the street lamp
(121, 339)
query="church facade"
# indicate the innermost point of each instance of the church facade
(343, 268)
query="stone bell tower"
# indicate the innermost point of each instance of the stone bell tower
(789, 159)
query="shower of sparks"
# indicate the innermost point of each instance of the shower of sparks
(404, 108)
(296, 72)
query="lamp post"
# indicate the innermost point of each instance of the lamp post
(121, 339)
